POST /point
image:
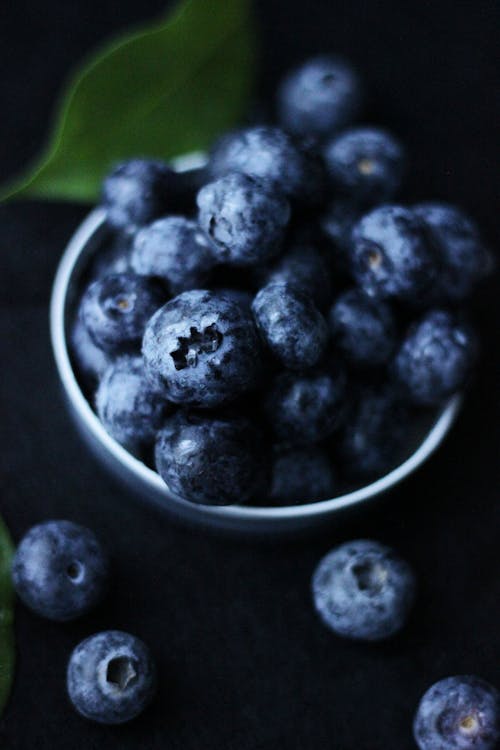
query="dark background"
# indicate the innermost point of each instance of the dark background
(244, 663)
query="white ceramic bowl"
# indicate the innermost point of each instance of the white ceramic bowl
(146, 483)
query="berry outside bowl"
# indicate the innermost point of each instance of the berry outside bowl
(145, 482)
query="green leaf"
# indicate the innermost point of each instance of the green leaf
(160, 92)
(6, 616)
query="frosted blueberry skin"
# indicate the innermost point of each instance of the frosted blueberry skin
(463, 258)
(130, 410)
(212, 460)
(116, 308)
(138, 191)
(306, 408)
(304, 267)
(373, 433)
(363, 329)
(390, 256)
(175, 250)
(302, 475)
(458, 713)
(435, 358)
(269, 154)
(111, 677)
(365, 165)
(244, 217)
(59, 570)
(291, 326)
(320, 97)
(362, 590)
(90, 360)
(202, 349)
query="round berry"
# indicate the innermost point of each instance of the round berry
(116, 308)
(363, 329)
(211, 460)
(175, 250)
(127, 406)
(138, 191)
(90, 360)
(365, 165)
(436, 358)
(202, 349)
(303, 475)
(59, 570)
(303, 409)
(462, 256)
(363, 590)
(390, 256)
(244, 217)
(320, 97)
(291, 326)
(111, 677)
(458, 713)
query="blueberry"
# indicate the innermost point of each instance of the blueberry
(111, 677)
(176, 250)
(113, 258)
(127, 406)
(291, 326)
(138, 191)
(240, 296)
(212, 460)
(436, 358)
(59, 570)
(458, 713)
(374, 432)
(307, 408)
(390, 256)
(304, 267)
(270, 154)
(202, 349)
(363, 590)
(244, 217)
(116, 308)
(302, 475)
(337, 225)
(321, 96)
(463, 258)
(365, 165)
(363, 329)
(90, 360)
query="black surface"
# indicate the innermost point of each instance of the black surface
(244, 663)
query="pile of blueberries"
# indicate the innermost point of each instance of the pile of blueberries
(257, 322)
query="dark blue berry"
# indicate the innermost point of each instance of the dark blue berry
(303, 475)
(138, 191)
(374, 433)
(463, 258)
(435, 359)
(175, 250)
(390, 256)
(59, 570)
(111, 677)
(363, 590)
(363, 329)
(211, 460)
(337, 225)
(270, 154)
(127, 406)
(304, 409)
(320, 97)
(304, 267)
(291, 326)
(244, 217)
(116, 308)
(202, 349)
(91, 361)
(458, 713)
(365, 165)
(114, 257)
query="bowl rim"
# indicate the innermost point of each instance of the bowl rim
(58, 308)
